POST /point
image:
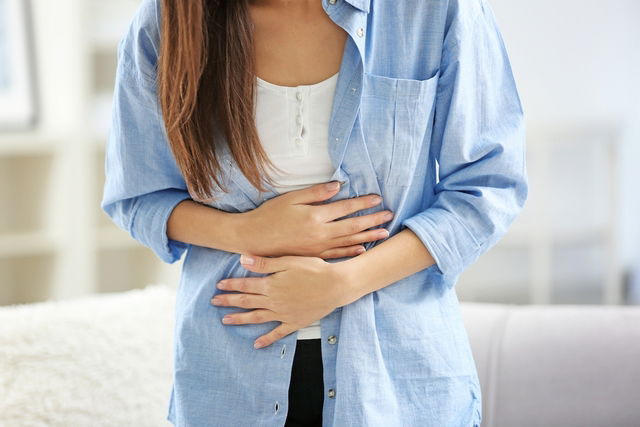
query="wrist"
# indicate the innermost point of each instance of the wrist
(235, 226)
(349, 284)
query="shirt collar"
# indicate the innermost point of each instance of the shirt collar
(363, 5)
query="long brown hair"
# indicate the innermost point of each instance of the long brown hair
(206, 83)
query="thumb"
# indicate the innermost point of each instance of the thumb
(316, 192)
(261, 264)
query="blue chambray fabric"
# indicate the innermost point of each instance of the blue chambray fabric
(426, 114)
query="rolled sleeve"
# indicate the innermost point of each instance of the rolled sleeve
(478, 142)
(142, 181)
(145, 218)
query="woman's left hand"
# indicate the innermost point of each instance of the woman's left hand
(299, 291)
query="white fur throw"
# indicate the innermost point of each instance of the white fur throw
(98, 360)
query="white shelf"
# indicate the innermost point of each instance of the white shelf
(55, 241)
(31, 278)
(120, 269)
(27, 243)
(27, 143)
(111, 237)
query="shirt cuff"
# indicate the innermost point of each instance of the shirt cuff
(448, 241)
(149, 223)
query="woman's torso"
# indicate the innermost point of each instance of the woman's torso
(389, 347)
(293, 127)
(298, 54)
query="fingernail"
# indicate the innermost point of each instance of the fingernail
(333, 185)
(246, 259)
(388, 216)
(257, 344)
(227, 319)
(382, 233)
(360, 251)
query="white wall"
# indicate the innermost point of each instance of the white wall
(575, 60)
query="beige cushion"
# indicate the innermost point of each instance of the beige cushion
(557, 365)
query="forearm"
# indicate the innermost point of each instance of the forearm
(396, 258)
(201, 225)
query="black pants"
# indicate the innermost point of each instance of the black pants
(306, 388)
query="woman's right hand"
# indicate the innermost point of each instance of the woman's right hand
(291, 224)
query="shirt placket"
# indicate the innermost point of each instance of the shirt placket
(341, 122)
(299, 104)
(343, 116)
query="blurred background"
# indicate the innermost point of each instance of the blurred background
(577, 65)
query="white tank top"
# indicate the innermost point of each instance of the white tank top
(293, 126)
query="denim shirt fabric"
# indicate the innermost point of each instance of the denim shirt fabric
(426, 114)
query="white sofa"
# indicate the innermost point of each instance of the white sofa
(105, 360)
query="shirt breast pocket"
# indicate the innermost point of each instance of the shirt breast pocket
(397, 116)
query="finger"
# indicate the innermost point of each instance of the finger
(314, 193)
(241, 300)
(278, 333)
(254, 316)
(356, 224)
(342, 252)
(250, 285)
(361, 237)
(340, 208)
(261, 264)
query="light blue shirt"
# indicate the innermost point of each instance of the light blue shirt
(421, 82)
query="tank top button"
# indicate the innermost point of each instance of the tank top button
(299, 95)
(298, 140)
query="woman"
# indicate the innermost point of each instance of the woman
(413, 101)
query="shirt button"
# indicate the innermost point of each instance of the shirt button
(332, 1)
(299, 96)
(331, 393)
(299, 119)
(298, 140)
(360, 31)
(332, 339)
